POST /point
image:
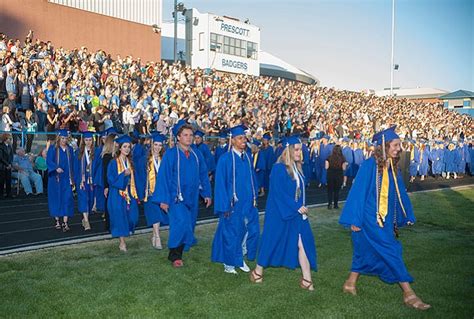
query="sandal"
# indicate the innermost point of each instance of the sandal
(123, 248)
(349, 288)
(255, 277)
(412, 301)
(158, 243)
(65, 227)
(306, 284)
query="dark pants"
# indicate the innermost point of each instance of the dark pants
(29, 142)
(6, 178)
(334, 186)
(176, 253)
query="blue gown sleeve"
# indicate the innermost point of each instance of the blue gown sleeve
(51, 160)
(205, 192)
(222, 193)
(281, 192)
(77, 169)
(116, 180)
(401, 219)
(353, 211)
(140, 176)
(165, 174)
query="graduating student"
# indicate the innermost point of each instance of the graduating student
(325, 150)
(314, 156)
(287, 238)
(414, 161)
(377, 206)
(451, 160)
(306, 163)
(222, 147)
(358, 157)
(122, 192)
(205, 151)
(260, 166)
(461, 169)
(436, 158)
(147, 179)
(267, 156)
(83, 177)
(60, 162)
(183, 177)
(423, 159)
(349, 159)
(236, 206)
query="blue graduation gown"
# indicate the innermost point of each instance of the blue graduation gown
(219, 151)
(415, 162)
(462, 160)
(153, 213)
(98, 180)
(471, 164)
(451, 160)
(230, 232)
(349, 158)
(358, 159)
(436, 158)
(208, 157)
(283, 225)
(138, 152)
(306, 163)
(60, 196)
(315, 169)
(123, 217)
(278, 152)
(267, 156)
(423, 161)
(193, 176)
(376, 251)
(325, 152)
(85, 196)
(260, 168)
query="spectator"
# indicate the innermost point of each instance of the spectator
(25, 173)
(6, 159)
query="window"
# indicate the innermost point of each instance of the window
(216, 42)
(466, 103)
(232, 46)
(201, 41)
(446, 103)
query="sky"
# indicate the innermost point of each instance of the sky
(346, 44)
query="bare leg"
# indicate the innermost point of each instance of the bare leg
(410, 298)
(350, 284)
(304, 263)
(122, 245)
(256, 276)
(156, 240)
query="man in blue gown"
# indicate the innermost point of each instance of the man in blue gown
(183, 177)
(236, 205)
(205, 151)
(267, 156)
(376, 207)
(222, 147)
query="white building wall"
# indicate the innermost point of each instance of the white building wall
(147, 12)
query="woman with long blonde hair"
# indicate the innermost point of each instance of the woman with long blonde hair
(287, 238)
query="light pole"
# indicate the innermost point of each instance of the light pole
(393, 40)
(178, 7)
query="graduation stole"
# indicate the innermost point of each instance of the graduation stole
(88, 168)
(133, 189)
(382, 198)
(255, 159)
(68, 162)
(151, 177)
(412, 153)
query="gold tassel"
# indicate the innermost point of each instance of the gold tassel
(255, 159)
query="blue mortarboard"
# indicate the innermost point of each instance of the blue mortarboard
(267, 136)
(145, 136)
(87, 134)
(256, 142)
(389, 135)
(111, 130)
(223, 134)
(238, 130)
(123, 139)
(291, 140)
(177, 126)
(64, 133)
(159, 138)
(199, 133)
(135, 134)
(345, 140)
(102, 133)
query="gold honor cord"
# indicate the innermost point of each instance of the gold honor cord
(255, 160)
(151, 179)
(383, 198)
(133, 189)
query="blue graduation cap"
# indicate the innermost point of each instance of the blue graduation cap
(62, 132)
(237, 130)
(87, 134)
(291, 140)
(178, 125)
(385, 135)
(102, 133)
(345, 140)
(199, 133)
(111, 130)
(158, 138)
(223, 134)
(256, 142)
(267, 136)
(135, 134)
(123, 139)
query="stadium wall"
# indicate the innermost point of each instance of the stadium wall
(72, 28)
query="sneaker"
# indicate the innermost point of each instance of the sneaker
(245, 268)
(230, 269)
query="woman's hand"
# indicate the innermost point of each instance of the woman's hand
(127, 172)
(106, 192)
(164, 207)
(355, 228)
(303, 210)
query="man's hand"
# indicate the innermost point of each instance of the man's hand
(59, 170)
(106, 192)
(164, 207)
(355, 228)
(303, 210)
(208, 201)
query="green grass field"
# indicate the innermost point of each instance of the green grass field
(95, 280)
